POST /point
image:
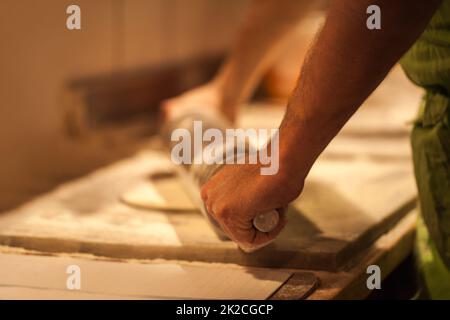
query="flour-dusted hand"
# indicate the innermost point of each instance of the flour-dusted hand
(236, 194)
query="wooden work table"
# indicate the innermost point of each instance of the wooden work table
(337, 230)
(357, 209)
(387, 252)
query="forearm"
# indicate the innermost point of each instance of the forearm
(266, 26)
(346, 63)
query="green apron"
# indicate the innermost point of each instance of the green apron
(427, 64)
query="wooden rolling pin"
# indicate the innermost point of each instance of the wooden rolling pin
(194, 176)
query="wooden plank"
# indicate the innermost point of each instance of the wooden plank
(298, 287)
(24, 293)
(387, 252)
(134, 280)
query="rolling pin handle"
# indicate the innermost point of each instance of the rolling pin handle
(267, 221)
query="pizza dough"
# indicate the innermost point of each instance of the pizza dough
(159, 192)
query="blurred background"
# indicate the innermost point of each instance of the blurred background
(63, 90)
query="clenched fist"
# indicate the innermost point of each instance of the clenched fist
(237, 193)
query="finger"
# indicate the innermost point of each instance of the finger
(204, 192)
(282, 211)
(209, 210)
(231, 224)
(208, 204)
(219, 214)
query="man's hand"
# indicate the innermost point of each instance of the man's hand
(236, 194)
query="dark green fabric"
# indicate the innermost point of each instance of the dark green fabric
(433, 272)
(427, 64)
(431, 155)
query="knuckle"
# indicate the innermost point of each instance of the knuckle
(248, 240)
(248, 245)
(223, 212)
(204, 193)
